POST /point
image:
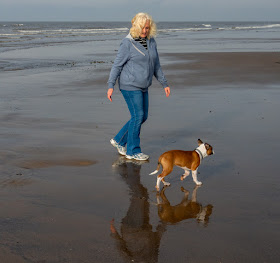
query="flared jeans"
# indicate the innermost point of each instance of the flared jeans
(129, 135)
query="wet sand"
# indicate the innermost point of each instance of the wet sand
(67, 196)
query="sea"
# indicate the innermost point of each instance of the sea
(24, 45)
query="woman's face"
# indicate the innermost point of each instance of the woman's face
(146, 29)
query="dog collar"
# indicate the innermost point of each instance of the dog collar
(201, 150)
(199, 153)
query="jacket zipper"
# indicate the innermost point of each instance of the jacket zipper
(138, 49)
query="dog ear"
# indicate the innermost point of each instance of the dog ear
(199, 142)
(207, 146)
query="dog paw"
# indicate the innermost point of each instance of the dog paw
(184, 190)
(198, 183)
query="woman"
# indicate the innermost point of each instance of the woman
(136, 63)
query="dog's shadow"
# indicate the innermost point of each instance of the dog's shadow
(186, 209)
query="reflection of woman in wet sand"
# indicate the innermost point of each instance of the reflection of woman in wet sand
(137, 241)
(187, 209)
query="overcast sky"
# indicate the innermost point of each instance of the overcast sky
(124, 10)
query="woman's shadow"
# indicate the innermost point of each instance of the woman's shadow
(136, 240)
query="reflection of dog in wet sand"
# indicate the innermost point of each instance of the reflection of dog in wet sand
(186, 209)
(187, 160)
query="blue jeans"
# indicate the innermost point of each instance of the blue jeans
(138, 105)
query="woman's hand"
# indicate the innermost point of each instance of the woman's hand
(109, 94)
(167, 91)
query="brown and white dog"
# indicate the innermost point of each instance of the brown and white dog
(187, 160)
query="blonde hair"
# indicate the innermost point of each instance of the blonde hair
(138, 22)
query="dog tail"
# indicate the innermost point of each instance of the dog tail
(155, 171)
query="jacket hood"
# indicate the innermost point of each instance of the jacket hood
(129, 36)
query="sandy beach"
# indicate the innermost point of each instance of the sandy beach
(67, 196)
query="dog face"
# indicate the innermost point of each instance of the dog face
(208, 147)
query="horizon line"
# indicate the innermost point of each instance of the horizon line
(110, 21)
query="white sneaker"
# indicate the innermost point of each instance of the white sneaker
(138, 157)
(120, 148)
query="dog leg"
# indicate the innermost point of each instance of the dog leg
(163, 197)
(165, 183)
(165, 171)
(185, 200)
(194, 193)
(194, 176)
(158, 182)
(185, 191)
(187, 172)
(159, 202)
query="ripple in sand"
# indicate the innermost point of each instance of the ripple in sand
(15, 182)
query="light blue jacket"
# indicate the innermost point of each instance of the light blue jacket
(135, 66)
